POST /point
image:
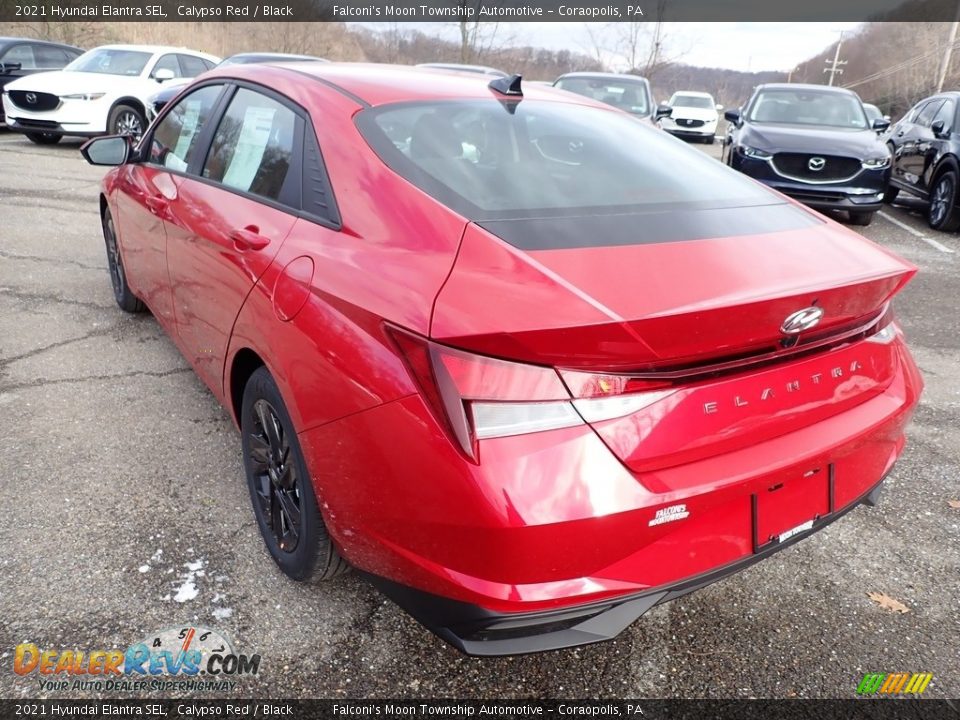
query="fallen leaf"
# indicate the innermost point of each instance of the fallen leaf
(887, 602)
(955, 504)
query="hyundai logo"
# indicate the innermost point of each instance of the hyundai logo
(31, 98)
(816, 164)
(801, 320)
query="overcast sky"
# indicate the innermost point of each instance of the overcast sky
(738, 46)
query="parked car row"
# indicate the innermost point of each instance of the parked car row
(824, 147)
(52, 90)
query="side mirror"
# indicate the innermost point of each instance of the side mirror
(718, 107)
(7, 68)
(937, 128)
(733, 116)
(110, 150)
(881, 124)
(662, 111)
(163, 74)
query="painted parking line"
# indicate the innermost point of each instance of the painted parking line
(916, 233)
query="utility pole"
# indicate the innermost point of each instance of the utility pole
(834, 70)
(948, 51)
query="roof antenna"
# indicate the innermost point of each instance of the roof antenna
(507, 85)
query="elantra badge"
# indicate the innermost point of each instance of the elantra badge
(801, 320)
(816, 164)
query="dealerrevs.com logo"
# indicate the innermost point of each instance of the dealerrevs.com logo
(185, 658)
(902, 683)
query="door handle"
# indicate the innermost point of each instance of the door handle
(157, 203)
(249, 238)
(900, 134)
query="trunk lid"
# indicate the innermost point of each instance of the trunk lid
(652, 305)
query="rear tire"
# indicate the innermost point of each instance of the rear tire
(861, 218)
(943, 214)
(127, 301)
(890, 194)
(44, 138)
(281, 489)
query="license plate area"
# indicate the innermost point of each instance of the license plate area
(791, 506)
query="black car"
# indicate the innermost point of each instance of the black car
(813, 143)
(161, 98)
(925, 145)
(23, 56)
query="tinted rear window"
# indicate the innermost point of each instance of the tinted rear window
(492, 160)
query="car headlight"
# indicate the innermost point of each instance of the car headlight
(755, 153)
(83, 96)
(876, 163)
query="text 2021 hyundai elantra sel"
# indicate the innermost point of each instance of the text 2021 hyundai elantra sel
(813, 143)
(531, 366)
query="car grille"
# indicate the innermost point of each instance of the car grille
(797, 165)
(30, 124)
(687, 122)
(815, 197)
(38, 101)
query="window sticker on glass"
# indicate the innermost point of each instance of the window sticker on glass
(191, 121)
(253, 139)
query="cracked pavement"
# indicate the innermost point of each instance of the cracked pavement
(119, 470)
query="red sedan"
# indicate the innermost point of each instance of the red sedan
(531, 366)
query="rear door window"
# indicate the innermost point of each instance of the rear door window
(253, 149)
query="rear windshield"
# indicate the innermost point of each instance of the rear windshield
(627, 95)
(492, 160)
(808, 107)
(692, 101)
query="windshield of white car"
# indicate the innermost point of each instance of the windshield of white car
(808, 107)
(692, 101)
(623, 94)
(110, 62)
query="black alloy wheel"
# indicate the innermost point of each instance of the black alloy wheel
(280, 486)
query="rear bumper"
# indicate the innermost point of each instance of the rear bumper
(475, 630)
(552, 540)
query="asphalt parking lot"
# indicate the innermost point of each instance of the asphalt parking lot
(125, 512)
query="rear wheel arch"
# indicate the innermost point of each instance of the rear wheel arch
(133, 102)
(948, 162)
(244, 364)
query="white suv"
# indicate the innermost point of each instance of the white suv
(104, 91)
(692, 115)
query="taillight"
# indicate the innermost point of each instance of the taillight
(477, 397)
(886, 329)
